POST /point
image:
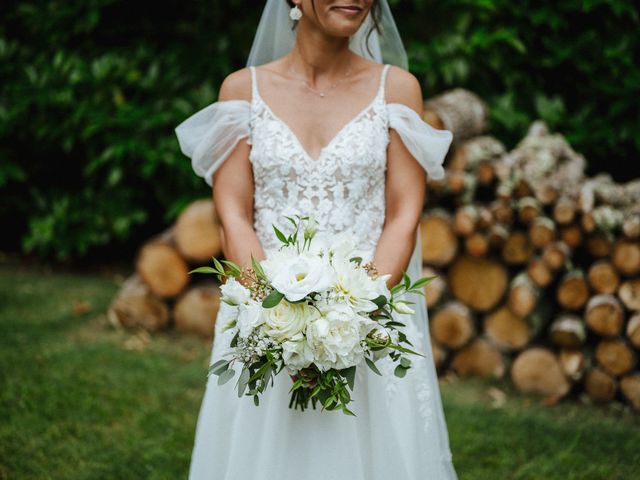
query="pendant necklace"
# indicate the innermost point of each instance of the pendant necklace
(325, 92)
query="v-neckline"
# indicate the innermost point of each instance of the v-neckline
(293, 135)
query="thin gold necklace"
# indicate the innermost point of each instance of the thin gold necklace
(325, 92)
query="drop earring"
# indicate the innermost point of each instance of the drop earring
(295, 13)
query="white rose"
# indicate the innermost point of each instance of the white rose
(302, 275)
(297, 354)
(286, 320)
(234, 293)
(336, 337)
(250, 316)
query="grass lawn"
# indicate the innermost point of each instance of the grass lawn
(81, 400)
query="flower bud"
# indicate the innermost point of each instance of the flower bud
(403, 307)
(310, 228)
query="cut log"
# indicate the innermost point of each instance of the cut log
(518, 249)
(162, 268)
(573, 291)
(529, 209)
(477, 244)
(572, 362)
(136, 306)
(631, 226)
(537, 370)
(598, 244)
(546, 194)
(633, 330)
(464, 221)
(501, 211)
(460, 111)
(485, 218)
(485, 172)
(603, 277)
(439, 241)
(542, 232)
(506, 329)
(452, 326)
(197, 232)
(568, 331)
(630, 388)
(539, 272)
(435, 289)
(479, 358)
(615, 356)
(587, 222)
(498, 235)
(604, 315)
(626, 256)
(523, 295)
(555, 255)
(477, 282)
(564, 211)
(571, 235)
(439, 355)
(196, 310)
(629, 294)
(600, 386)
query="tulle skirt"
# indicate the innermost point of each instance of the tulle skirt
(399, 430)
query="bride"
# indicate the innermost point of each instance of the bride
(325, 120)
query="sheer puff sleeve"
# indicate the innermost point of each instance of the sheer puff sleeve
(209, 136)
(427, 144)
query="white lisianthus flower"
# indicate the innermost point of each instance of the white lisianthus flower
(336, 337)
(403, 307)
(301, 275)
(250, 316)
(277, 260)
(234, 293)
(286, 320)
(297, 354)
(343, 245)
(355, 285)
(381, 285)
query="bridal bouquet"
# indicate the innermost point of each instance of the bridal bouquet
(313, 308)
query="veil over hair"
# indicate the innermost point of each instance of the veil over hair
(275, 37)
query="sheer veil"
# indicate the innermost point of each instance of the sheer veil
(274, 38)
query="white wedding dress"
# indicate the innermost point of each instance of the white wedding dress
(400, 431)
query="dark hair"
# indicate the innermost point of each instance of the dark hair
(375, 14)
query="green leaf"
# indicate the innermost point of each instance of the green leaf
(407, 280)
(405, 362)
(372, 366)
(396, 288)
(203, 270)
(380, 301)
(280, 235)
(400, 371)
(218, 265)
(242, 381)
(226, 376)
(256, 400)
(219, 367)
(234, 269)
(350, 375)
(422, 282)
(358, 260)
(272, 299)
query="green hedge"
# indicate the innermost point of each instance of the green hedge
(91, 92)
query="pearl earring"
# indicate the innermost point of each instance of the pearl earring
(295, 13)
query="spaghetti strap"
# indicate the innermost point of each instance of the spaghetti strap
(383, 78)
(254, 86)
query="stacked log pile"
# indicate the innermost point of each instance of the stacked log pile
(537, 265)
(160, 293)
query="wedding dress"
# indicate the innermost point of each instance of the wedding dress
(399, 430)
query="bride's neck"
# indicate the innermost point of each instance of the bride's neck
(316, 55)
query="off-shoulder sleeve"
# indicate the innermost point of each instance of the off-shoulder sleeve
(210, 135)
(427, 144)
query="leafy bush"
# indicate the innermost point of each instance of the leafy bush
(92, 91)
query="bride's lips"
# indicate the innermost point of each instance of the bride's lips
(352, 10)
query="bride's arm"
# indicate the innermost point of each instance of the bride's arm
(233, 186)
(405, 186)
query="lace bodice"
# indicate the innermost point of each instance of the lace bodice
(343, 188)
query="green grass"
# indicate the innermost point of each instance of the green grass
(81, 400)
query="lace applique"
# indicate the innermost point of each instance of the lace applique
(344, 188)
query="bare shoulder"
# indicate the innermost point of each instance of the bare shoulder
(403, 87)
(236, 86)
